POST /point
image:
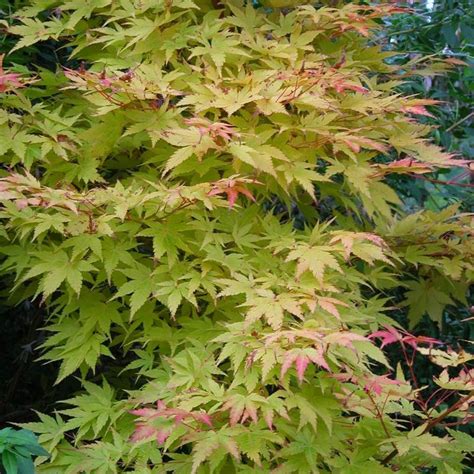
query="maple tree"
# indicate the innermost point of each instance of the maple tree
(140, 205)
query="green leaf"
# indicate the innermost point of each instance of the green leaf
(178, 157)
(10, 462)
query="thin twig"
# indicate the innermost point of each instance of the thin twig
(439, 181)
(459, 122)
(434, 422)
(380, 417)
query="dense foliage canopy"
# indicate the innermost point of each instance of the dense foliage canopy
(201, 198)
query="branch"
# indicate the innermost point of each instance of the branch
(448, 411)
(434, 422)
(440, 181)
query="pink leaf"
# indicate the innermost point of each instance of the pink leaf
(372, 144)
(375, 384)
(162, 436)
(204, 418)
(235, 414)
(317, 357)
(232, 448)
(301, 363)
(252, 412)
(144, 412)
(142, 432)
(106, 82)
(245, 415)
(21, 203)
(329, 306)
(344, 338)
(232, 195)
(268, 415)
(287, 363)
(179, 418)
(9, 81)
(215, 192)
(388, 336)
(374, 238)
(161, 404)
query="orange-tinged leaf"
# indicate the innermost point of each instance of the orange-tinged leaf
(417, 110)
(403, 166)
(231, 188)
(329, 305)
(456, 61)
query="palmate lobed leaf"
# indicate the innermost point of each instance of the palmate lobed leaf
(145, 203)
(16, 450)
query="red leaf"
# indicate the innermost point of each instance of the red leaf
(214, 130)
(245, 192)
(391, 335)
(388, 336)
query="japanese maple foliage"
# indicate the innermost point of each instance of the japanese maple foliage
(140, 199)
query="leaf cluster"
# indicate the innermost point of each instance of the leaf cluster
(17, 447)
